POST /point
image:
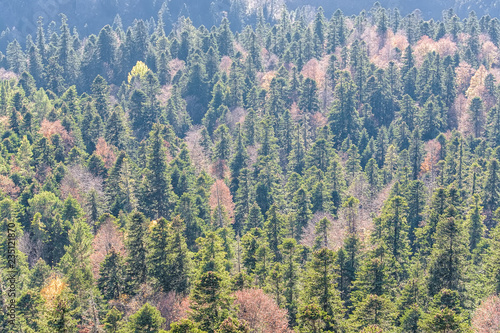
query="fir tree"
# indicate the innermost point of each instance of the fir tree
(136, 251)
(158, 193)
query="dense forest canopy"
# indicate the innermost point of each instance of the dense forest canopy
(308, 172)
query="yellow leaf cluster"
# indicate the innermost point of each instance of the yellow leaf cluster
(476, 83)
(140, 69)
(52, 289)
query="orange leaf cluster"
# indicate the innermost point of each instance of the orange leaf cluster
(220, 194)
(225, 64)
(318, 120)
(107, 237)
(8, 187)
(463, 73)
(107, 154)
(176, 65)
(49, 128)
(6, 75)
(266, 78)
(445, 47)
(476, 87)
(486, 318)
(316, 70)
(431, 158)
(261, 312)
(489, 53)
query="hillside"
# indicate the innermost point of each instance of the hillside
(315, 171)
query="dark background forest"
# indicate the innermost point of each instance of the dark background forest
(20, 16)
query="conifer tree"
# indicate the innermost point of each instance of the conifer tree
(136, 250)
(76, 261)
(475, 224)
(158, 193)
(146, 319)
(491, 195)
(302, 205)
(291, 273)
(274, 229)
(211, 303)
(476, 114)
(112, 276)
(320, 288)
(448, 258)
(100, 94)
(344, 119)
(308, 101)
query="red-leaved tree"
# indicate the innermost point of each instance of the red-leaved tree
(108, 237)
(221, 195)
(487, 316)
(261, 312)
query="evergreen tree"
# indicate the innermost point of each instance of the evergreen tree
(491, 186)
(344, 119)
(320, 288)
(146, 320)
(274, 229)
(136, 250)
(302, 205)
(158, 193)
(475, 224)
(112, 276)
(291, 273)
(308, 101)
(448, 258)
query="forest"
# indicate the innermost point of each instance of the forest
(307, 173)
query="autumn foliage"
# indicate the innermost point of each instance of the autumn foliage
(261, 312)
(221, 195)
(486, 318)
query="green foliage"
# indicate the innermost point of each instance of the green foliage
(362, 171)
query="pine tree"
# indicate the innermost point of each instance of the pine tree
(308, 101)
(344, 119)
(255, 218)
(375, 311)
(319, 155)
(76, 261)
(238, 162)
(476, 113)
(448, 258)
(158, 193)
(291, 273)
(430, 119)
(106, 44)
(416, 154)
(415, 197)
(393, 228)
(146, 319)
(100, 94)
(188, 211)
(111, 281)
(491, 196)
(302, 205)
(225, 39)
(475, 224)
(274, 230)
(211, 303)
(320, 288)
(157, 260)
(136, 251)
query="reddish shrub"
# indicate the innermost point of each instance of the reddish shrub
(261, 312)
(486, 318)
